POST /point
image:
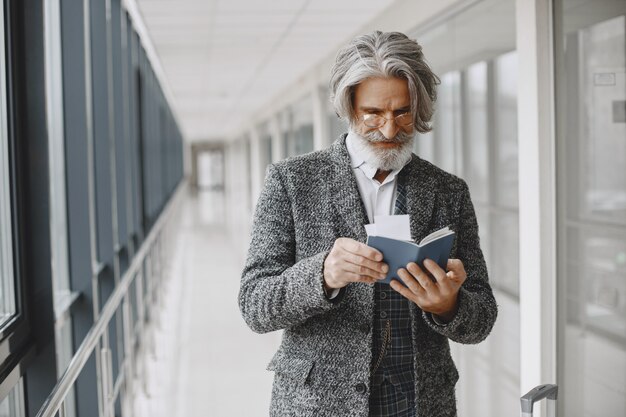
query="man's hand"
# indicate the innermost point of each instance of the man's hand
(352, 261)
(438, 297)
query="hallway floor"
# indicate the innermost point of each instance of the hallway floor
(205, 362)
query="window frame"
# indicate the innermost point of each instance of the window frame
(17, 347)
(6, 210)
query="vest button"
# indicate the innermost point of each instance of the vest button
(360, 388)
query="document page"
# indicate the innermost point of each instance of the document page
(393, 227)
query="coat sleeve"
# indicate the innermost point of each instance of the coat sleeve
(477, 306)
(277, 292)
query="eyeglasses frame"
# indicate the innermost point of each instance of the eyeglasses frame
(368, 116)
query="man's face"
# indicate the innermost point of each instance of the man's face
(389, 146)
(386, 97)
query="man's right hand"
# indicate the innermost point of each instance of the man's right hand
(352, 261)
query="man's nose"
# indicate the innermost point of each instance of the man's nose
(390, 129)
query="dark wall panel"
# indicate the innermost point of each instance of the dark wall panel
(133, 93)
(118, 74)
(77, 168)
(101, 130)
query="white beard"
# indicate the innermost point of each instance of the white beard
(382, 158)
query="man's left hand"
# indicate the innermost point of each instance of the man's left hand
(438, 296)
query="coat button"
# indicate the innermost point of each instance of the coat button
(360, 388)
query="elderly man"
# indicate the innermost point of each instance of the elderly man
(353, 346)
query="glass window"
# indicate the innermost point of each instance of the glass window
(448, 122)
(285, 119)
(336, 126)
(13, 404)
(475, 137)
(476, 132)
(265, 148)
(7, 288)
(504, 202)
(506, 129)
(302, 112)
(591, 185)
(245, 140)
(424, 146)
(204, 166)
(504, 266)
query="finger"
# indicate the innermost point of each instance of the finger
(405, 292)
(378, 267)
(454, 278)
(354, 277)
(423, 278)
(362, 270)
(435, 269)
(362, 249)
(456, 271)
(444, 281)
(456, 266)
(410, 281)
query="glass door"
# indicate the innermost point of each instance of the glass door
(474, 136)
(591, 183)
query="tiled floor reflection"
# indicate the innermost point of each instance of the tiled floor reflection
(206, 362)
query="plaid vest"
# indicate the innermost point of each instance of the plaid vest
(397, 364)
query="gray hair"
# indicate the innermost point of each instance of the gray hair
(388, 54)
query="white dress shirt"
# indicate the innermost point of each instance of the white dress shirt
(378, 198)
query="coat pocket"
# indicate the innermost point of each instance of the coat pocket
(291, 367)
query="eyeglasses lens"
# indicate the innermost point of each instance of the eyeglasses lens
(376, 121)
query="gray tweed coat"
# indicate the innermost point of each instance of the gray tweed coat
(326, 352)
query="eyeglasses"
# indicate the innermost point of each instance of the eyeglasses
(378, 121)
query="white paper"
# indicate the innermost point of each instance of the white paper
(394, 227)
(436, 235)
(370, 229)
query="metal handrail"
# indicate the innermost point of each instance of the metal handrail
(53, 403)
(549, 391)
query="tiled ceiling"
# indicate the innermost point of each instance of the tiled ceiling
(225, 59)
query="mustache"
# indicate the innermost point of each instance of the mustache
(377, 136)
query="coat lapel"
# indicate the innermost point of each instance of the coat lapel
(344, 191)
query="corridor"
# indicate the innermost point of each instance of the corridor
(206, 361)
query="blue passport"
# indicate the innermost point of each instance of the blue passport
(398, 253)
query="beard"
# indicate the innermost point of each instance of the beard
(385, 159)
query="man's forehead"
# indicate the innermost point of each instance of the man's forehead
(382, 93)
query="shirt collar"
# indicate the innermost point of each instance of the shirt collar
(358, 161)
